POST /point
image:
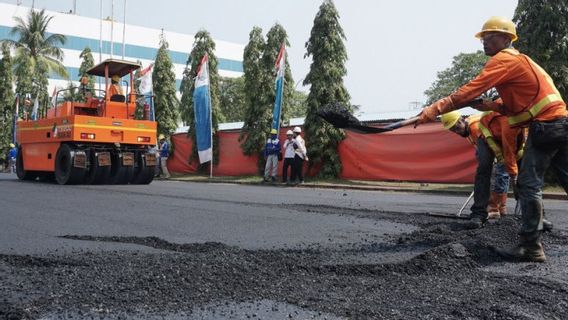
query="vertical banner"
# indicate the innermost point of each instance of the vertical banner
(147, 89)
(280, 71)
(202, 110)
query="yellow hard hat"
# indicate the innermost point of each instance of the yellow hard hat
(12, 145)
(115, 78)
(498, 24)
(450, 119)
(273, 131)
(161, 137)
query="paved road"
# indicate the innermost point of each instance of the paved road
(34, 215)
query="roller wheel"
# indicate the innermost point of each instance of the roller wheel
(96, 174)
(143, 174)
(65, 171)
(120, 174)
(20, 172)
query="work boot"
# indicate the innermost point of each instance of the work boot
(529, 249)
(493, 207)
(273, 179)
(502, 199)
(476, 222)
(546, 225)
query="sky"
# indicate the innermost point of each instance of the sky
(395, 48)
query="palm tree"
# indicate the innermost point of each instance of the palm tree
(34, 44)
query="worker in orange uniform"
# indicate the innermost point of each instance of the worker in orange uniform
(529, 98)
(115, 89)
(494, 139)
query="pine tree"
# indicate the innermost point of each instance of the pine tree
(258, 112)
(232, 98)
(23, 73)
(87, 63)
(327, 70)
(166, 103)
(6, 102)
(542, 27)
(274, 38)
(203, 44)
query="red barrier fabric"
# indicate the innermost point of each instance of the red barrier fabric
(426, 154)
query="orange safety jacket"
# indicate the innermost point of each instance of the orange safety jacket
(526, 90)
(506, 143)
(114, 89)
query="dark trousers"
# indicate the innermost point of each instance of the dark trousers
(536, 160)
(482, 184)
(297, 174)
(288, 162)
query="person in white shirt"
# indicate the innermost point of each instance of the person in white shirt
(289, 155)
(301, 155)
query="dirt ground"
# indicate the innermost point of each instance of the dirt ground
(441, 270)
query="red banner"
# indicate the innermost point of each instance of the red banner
(426, 154)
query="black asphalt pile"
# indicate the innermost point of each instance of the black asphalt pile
(447, 280)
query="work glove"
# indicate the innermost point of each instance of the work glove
(515, 187)
(430, 113)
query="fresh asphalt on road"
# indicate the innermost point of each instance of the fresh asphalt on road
(35, 215)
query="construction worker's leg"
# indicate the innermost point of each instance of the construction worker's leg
(501, 187)
(482, 185)
(285, 177)
(164, 165)
(530, 182)
(299, 163)
(267, 168)
(274, 158)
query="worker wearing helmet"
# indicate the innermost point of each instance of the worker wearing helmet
(164, 155)
(301, 155)
(289, 155)
(272, 155)
(529, 98)
(115, 89)
(12, 156)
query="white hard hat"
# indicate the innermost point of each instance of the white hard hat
(297, 130)
(289, 132)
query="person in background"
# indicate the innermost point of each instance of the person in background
(301, 155)
(271, 152)
(289, 155)
(164, 154)
(12, 156)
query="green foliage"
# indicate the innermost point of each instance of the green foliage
(232, 98)
(465, 67)
(203, 44)
(139, 112)
(166, 103)
(542, 28)
(36, 55)
(72, 94)
(297, 105)
(87, 62)
(258, 112)
(6, 102)
(274, 39)
(325, 78)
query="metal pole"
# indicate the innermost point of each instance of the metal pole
(124, 31)
(101, 38)
(111, 28)
(74, 6)
(210, 117)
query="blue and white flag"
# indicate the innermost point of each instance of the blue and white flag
(147, 89)
(35, 109)
(280, 70)
(202, 108)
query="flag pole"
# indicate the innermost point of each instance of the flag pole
(210, 117)
(283, 79)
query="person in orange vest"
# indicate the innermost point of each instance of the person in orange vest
(494, 139)
(529, 98)
(115, 88)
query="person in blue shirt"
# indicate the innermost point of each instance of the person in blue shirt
(164, 154)
(12, 156)
(271, 152)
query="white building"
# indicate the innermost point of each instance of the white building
(140, 43)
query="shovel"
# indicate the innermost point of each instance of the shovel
(339, 116)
